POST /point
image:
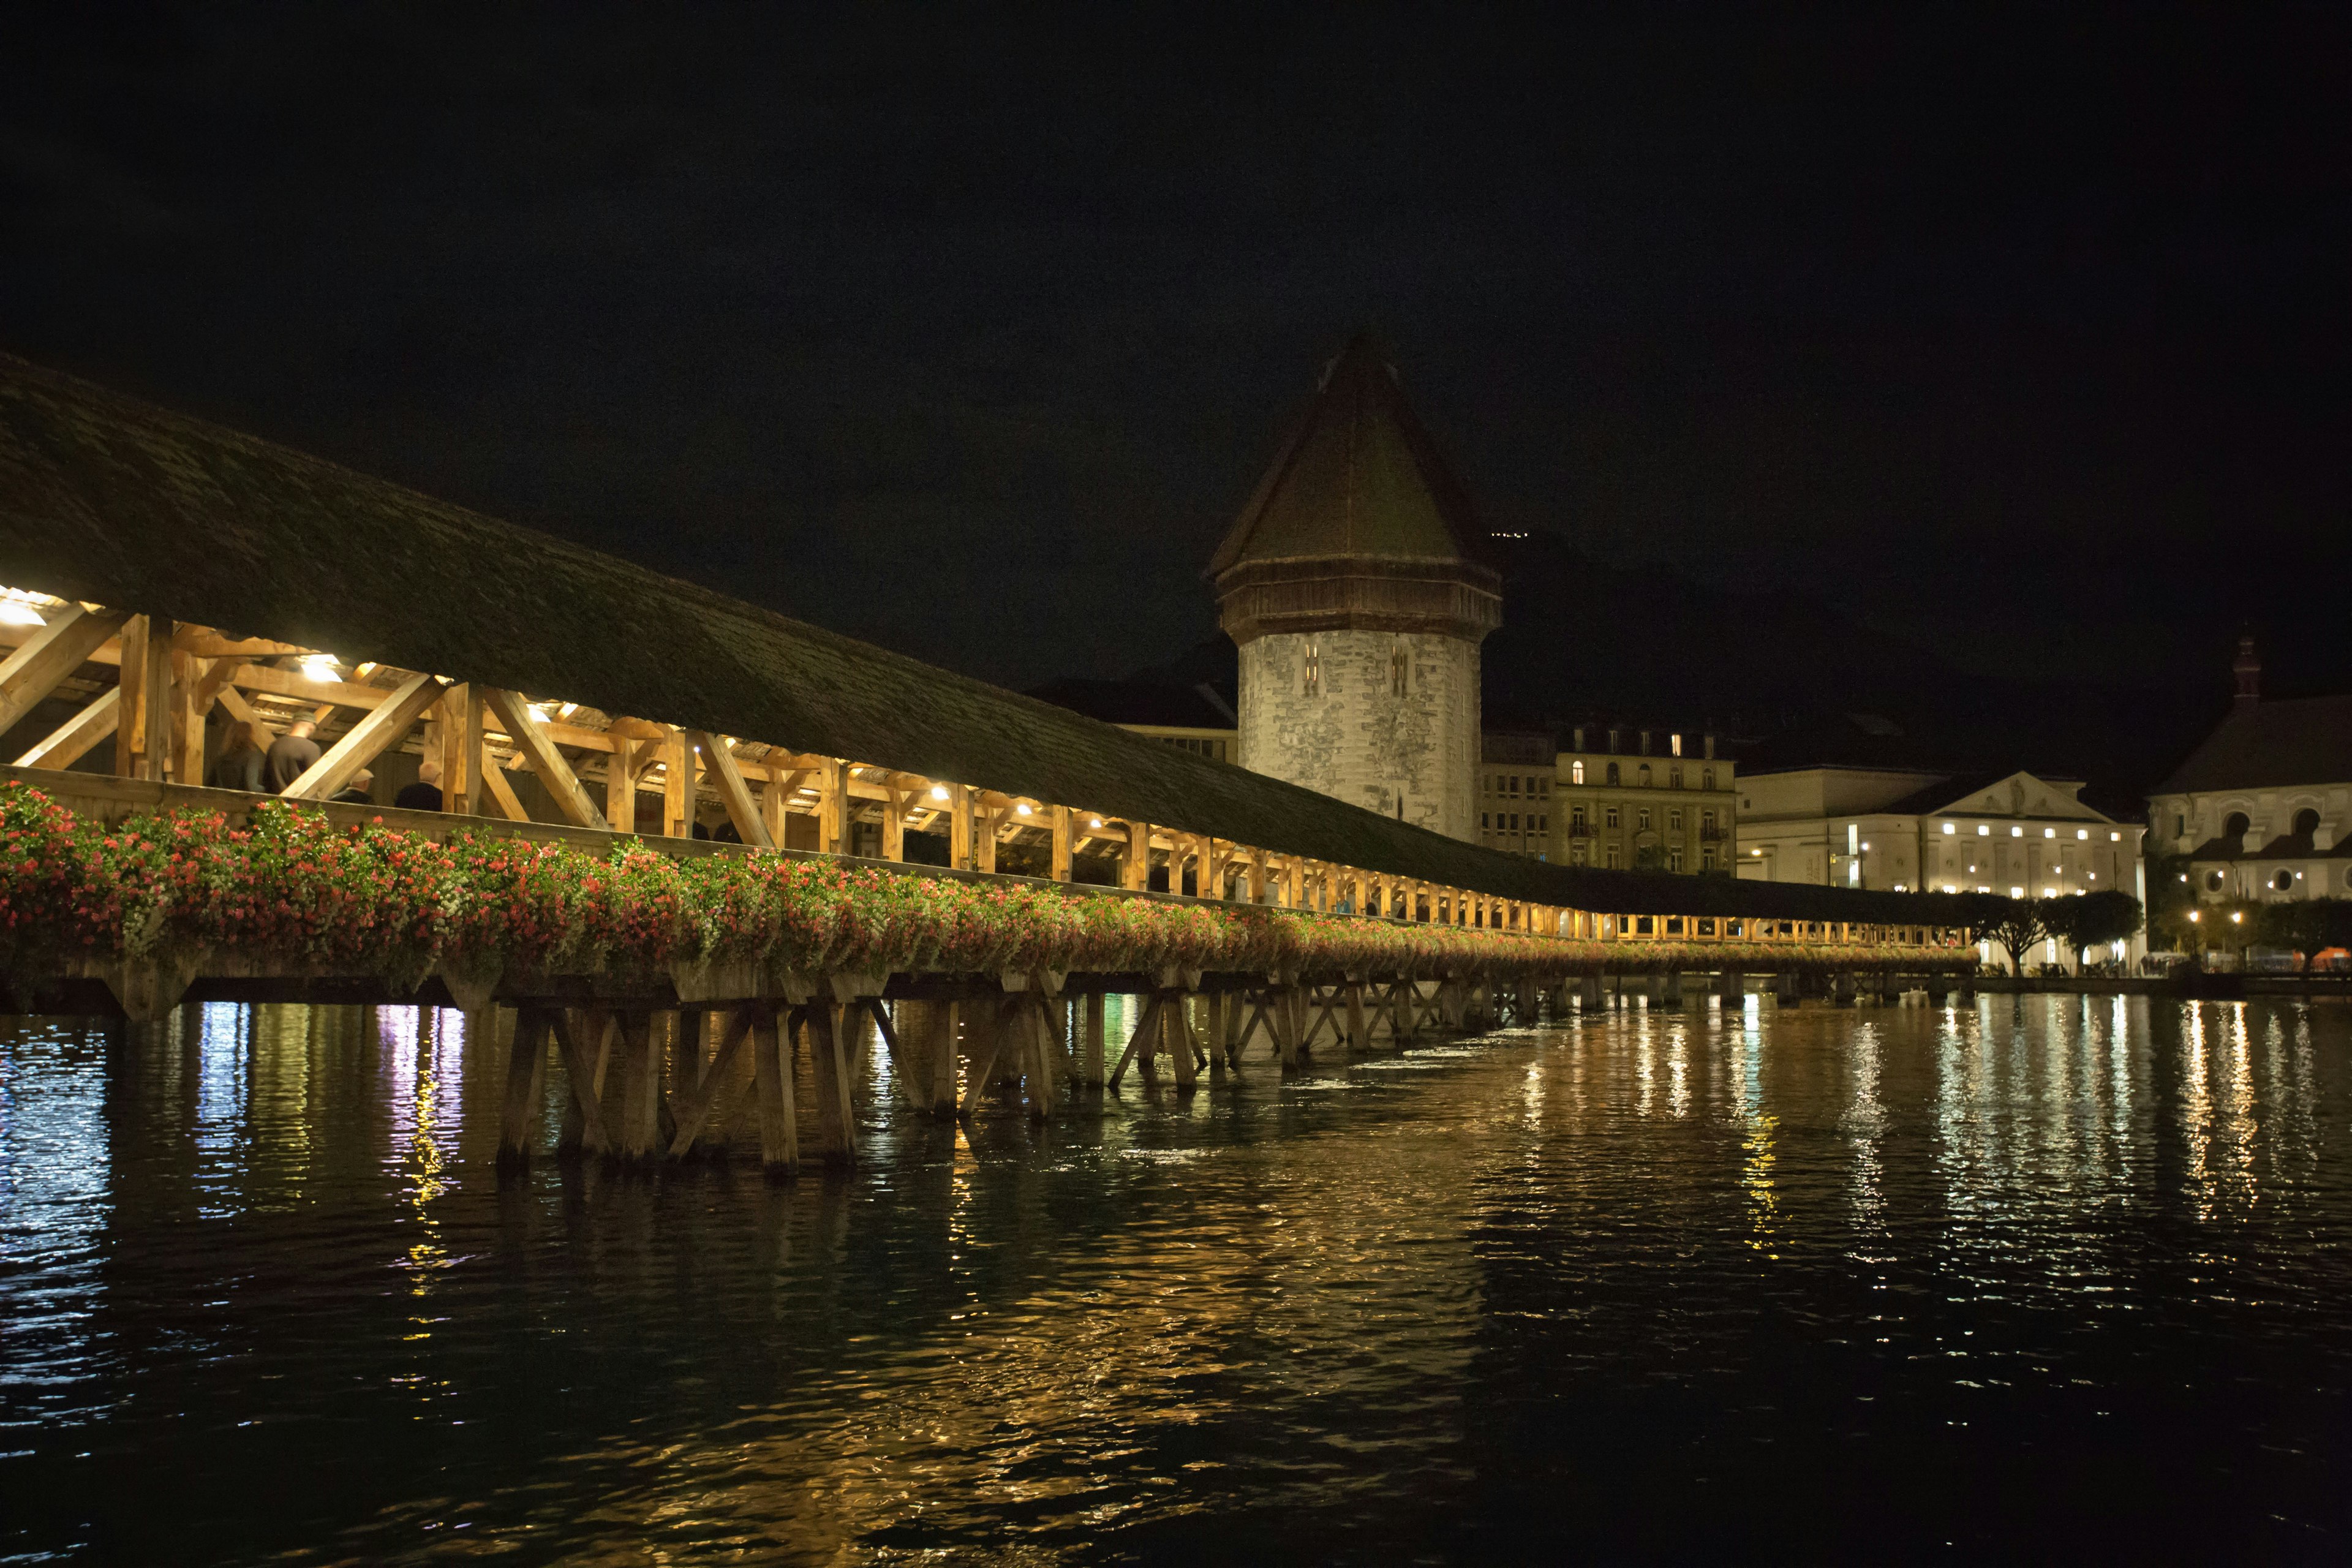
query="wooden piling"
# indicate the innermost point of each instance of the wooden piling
(1091, 1050)
(526, 1075)
(772, 1081)
(836, 1123)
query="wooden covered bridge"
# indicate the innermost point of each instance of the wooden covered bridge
(167, 577)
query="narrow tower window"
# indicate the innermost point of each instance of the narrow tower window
(1314, 671)
(1398, 666)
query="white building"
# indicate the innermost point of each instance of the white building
(2264, 808)
(1899, 830)
(1349, 585)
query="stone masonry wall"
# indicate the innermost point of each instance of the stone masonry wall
(1355, 739)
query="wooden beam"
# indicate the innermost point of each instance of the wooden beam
(43, 660)
(733, 793)
(894, 824)
(773, 795)
(207, 644)
(680, 784)
(285, 683)
(832, 806)
(242, 710)
(621, 787)
(1136, 873)
(960, 827)
(381, 729)
(143, 728)
(462, 763)
(191, 702)
(501, 788)
(1060, 821)
(72, 741)
(531, 739)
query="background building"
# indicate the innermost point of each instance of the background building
(2261, 807)
(2015, 834)
(1630, 798)
(1349, 585)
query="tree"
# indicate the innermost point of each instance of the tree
(2087, 920)
(2015, 923)
(2307, 926)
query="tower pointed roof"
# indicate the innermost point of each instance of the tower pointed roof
(1359, 475)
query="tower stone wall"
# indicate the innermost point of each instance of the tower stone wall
(1352, 585)
(1409, 754)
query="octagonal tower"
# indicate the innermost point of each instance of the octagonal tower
(1352, 586)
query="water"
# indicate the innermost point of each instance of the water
(2048, 1276)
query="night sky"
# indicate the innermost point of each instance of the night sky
(2023, 337)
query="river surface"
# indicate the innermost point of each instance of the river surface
(2044, 1278)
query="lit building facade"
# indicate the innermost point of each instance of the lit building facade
(1351, 587)
(1621, 798)
(1896, 830)
(2264, 808)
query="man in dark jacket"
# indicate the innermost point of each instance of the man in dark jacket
(358, 793)
(424, 795)
(290, 755)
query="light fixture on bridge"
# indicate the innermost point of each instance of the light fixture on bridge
(1023, 807)
(319, 666)
(938, 791)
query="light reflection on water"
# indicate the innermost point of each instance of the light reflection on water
(1857, 1283)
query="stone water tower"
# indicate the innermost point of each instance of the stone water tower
(1352, 586)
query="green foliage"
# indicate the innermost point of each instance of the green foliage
(2085, 921)
(2305, 926)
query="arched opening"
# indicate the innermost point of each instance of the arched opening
(2235, 825)
(2306, 823)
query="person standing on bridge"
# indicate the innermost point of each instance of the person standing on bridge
(358, 792)
(241, 765)
(292, 754)
(424, 795)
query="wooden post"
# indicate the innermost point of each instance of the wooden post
(188, 762)
(584, 1043)
(894, 821)
(833, 805)
(983, 840)
(1091, 1050)
(1359, 1038)
(142, 736)
(620, 785)
(461, 751)
(1060, 821)
(526, 1075)
(640, 1133)
(774, 796)
(772, 1081)
(1030, 1010)
(940, 1091)
(836, 1124)
(960, 827)
(983, 1040)
(678, 785)
(1181, 1042)
(1136, 874)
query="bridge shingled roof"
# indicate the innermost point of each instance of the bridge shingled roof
(109, 499)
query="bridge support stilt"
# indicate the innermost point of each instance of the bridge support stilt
(1091, 1044)
(640, 1129)
(836, 1123)
(772, 1041)
(1731, 987)
(526, 1078)
(583, 1038)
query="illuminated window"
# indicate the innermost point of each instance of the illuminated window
(2017, 833)
(1575, 772)
(1982, 829)
(2049, 833)
(2082, 833)
(1949, 828)
(2115, 838)
(1674, 744)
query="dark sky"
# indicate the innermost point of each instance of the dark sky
(2023, 333)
